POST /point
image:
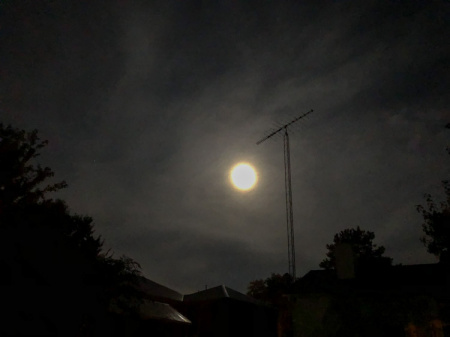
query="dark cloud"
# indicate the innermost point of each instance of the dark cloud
(147, 107)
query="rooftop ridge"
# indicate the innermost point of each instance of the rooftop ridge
(225, 290)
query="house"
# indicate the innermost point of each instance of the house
(222, 311)
(411, 300)
(218, 311)
(156, 313)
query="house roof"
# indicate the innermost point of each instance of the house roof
(218, 292)
(420, 274)
(155, 290)
(429, 278)
(315, 276)
(161, 311)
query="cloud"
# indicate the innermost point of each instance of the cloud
(147, 107)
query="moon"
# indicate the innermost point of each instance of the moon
(243, 176)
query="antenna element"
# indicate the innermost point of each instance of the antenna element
(288, 190)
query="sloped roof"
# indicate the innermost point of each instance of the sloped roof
(218, 292)
(429, 278)
(416, 274)
(420, 274)
(161, 311)
(155, 290)
(315, 276)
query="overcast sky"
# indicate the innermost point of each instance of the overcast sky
(148, 106)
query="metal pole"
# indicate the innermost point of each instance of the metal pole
(289, 208)
(288, 191)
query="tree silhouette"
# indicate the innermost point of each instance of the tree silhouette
(273, 291)
(20, 179)
(257, 289)
(436, 226)
(364, 250)
(51, 259)
(272, 288)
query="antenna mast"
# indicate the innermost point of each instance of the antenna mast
(288, 190)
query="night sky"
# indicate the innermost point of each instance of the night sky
(148, 105)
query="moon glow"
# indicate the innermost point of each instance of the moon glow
(243, 176)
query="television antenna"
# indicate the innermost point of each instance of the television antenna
(288, 190)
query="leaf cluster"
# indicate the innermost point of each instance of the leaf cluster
(272, 288)
(436, 225)
(120, 277)
(361, 241)
(43, 244)
(20, 178)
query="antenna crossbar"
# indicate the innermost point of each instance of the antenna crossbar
(288, 190)
(284, 127)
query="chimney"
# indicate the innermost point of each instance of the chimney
(345, 261)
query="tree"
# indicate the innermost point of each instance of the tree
(119, 277)
(49, 258)
(20, 179)
(273, 291)
(272, 288)
(436, 226)
(257, 289)
(364, 250)
(53, 255)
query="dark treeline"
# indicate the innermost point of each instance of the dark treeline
(55, 276)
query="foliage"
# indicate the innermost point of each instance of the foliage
(272, 288)
(257, 289)
(119, 276)
(436, 226)
(364, 250)
(20, 179)
(273, 291)
(41, 251)
(53, 254)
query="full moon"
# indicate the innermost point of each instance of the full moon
(243, 176)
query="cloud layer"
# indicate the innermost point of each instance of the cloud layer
(147, 107)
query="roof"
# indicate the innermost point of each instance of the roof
(218, 292)
(155, 290)
(421, 274)
(315, 276)
(161, 311)
(429, 278)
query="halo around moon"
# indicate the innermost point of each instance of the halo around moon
(243, 176)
